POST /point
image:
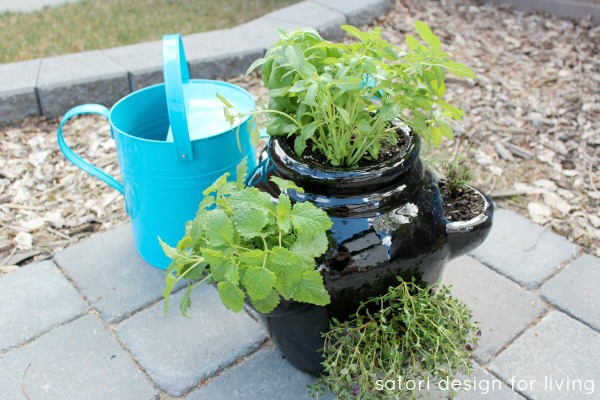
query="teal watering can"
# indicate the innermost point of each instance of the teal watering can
(172, 142)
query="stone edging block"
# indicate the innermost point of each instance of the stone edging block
(18, 97)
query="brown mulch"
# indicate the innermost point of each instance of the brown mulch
(532, 124)
(532, 131)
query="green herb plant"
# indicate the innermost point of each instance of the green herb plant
(412, 332)
(250, 246)
(340, 98)
(458, 175)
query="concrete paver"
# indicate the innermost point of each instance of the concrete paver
(556, 359)
(524, 252)
(178, 352)
(481, 384)
(574, 290)
(111, 275)
(264, 375)
(502, 308)
(44, 299)
(79, 360)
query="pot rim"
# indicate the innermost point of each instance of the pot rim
(483, 217)
(291, 166)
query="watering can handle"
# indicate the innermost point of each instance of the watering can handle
(176, 73)
(74, 158)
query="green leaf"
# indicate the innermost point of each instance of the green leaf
(250, 220)
(353, 31)
(170, 282)
(364, 126)
(284, 184)
(206, 202)
(185, 301)
(295, 56)
(257, 63)
(299, 145)
(169, 251)
(258, 282)
(252, 196)
(390, 53)
(253, 257)
(226, 271)
(311, 94)
(460, 70)
(183, 262)
(284, 213)
(310, 247)
(267, 304)
(426, 34)
(311, 289)
(309, 220)
(219, 228)
(308, 131)
(436, 135)
(197, 233)
(453, 112)
(240, 172)
(212, 257)
(345, 115)
(216, 184)
(447, 131)
(185, 242)
(349, 82)
(224, 101)
(254, 135)
(231, 296)
(287, 267)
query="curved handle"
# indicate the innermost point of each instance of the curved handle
(176, 73)
(74, 158)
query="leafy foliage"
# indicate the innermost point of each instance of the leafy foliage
(252, 247)
(413, 332)
(340, 98)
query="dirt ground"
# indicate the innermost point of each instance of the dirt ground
(531, 131)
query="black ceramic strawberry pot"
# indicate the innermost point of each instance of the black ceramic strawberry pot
(388, 222)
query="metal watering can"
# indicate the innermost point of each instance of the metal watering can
(172, 142)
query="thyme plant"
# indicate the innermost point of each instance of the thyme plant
(411, 333)
(458, 175)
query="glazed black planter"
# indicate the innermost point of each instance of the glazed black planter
(388, 222)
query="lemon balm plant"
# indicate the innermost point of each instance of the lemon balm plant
(251, 247)
(338, 99)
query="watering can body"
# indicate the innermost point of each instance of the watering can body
(163, 178)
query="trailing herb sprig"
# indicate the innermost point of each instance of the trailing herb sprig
(251, 246)
(338, 99)
(411, 333)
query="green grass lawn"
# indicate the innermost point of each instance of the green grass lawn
(99, 24)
